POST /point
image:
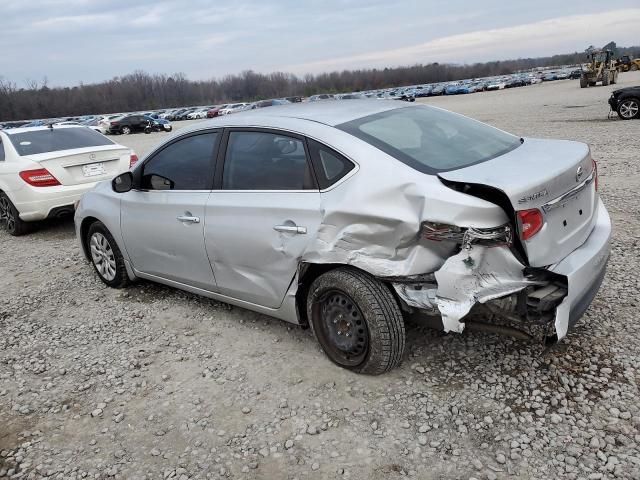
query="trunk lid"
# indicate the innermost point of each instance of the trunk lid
(85, 165)
(554, 176)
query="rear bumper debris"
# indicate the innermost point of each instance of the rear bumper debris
(558, 295)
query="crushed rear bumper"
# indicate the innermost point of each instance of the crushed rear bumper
(584, 268)
(482, 275)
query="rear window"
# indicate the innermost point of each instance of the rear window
(55, 139)
(431, 140)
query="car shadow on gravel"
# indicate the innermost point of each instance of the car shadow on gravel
(53, 228)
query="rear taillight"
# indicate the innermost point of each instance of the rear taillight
(39, 178)
(114, 123)
(530, 222)
(466, 236)
(595, 173)
(133, 160)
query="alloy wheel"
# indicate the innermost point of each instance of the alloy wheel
(102, 256)
(6, 214)
(629, 109)
(343, 328)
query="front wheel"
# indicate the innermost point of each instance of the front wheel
(356, 320)
(125, 130)
(10, 217)
(106, 258)
(629, 108)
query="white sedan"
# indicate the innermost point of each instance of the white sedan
(45, 170)
(198, 114)
(234, 108)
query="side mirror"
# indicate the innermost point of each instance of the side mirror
(122, 183)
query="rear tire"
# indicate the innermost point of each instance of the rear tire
(357, 321)
(629, 108)
(106, 258)
(583, 82)
(125, 130)
(606, 78)
(10, 218)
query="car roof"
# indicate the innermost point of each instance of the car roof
(13, 131)
(328, 113)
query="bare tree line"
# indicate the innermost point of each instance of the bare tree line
(143, 91)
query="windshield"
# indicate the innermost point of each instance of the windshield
(55, 139)
(431, 140)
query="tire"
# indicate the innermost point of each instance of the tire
(583, 82)
(606, 78)
(106, 258)
(10, 218)
(372, 337)
(628, 108)
(125, 130)
(633, 67)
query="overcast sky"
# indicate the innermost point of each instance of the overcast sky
(73, 41)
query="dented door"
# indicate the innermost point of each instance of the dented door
(255, 240)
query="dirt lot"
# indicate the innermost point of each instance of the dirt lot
(153, 383)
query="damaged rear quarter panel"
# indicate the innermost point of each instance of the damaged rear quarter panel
(372, 220)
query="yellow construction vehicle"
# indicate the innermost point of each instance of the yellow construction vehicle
(628, 64)
(600, 68)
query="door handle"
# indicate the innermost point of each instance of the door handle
(291, 229)
(188, 219)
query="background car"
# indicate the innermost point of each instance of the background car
(233, 108)
(269, 103)
(626, 102)
(198, 114)
(215, 111)
(128, 124)
(322, 96)
(45, 170)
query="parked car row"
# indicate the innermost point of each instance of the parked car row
(122, 123)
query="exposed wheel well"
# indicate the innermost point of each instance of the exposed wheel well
(84, 228)
(308, 272)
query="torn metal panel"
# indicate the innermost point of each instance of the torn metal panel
(377, 230)
(476, 275)
(421, 296)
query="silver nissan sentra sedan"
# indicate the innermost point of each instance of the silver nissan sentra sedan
(349, 216)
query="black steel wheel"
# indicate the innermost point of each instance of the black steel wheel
(356, 320)
(342, 328)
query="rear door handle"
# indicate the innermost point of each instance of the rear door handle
(188, 219)
(291, 229)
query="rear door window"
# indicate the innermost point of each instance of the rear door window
(56, 139)
(328, 164)
(266, 161)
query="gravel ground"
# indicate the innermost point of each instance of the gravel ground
(150, 382)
